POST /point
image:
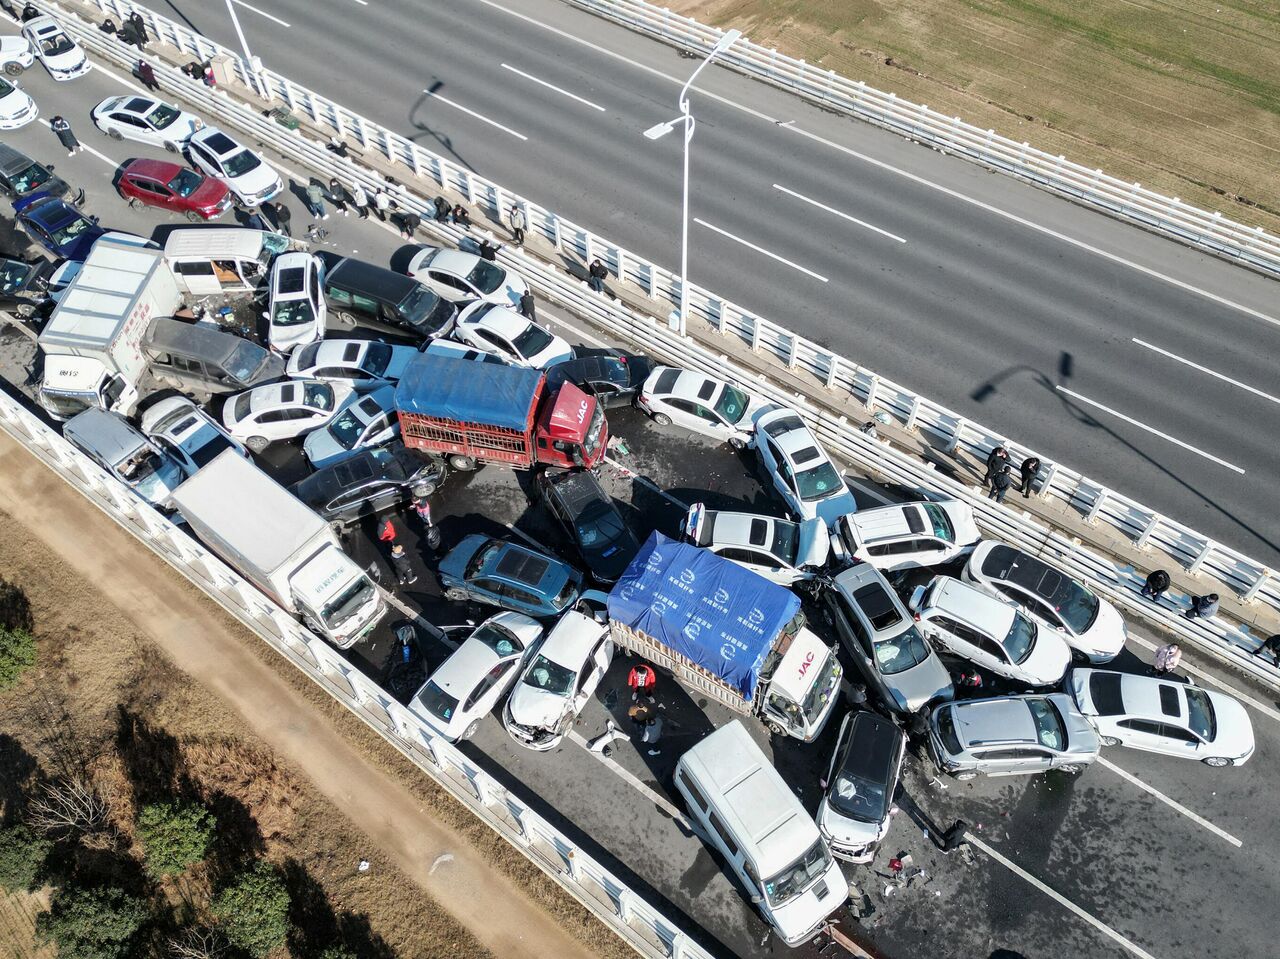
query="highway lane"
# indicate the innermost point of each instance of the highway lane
(974, 310)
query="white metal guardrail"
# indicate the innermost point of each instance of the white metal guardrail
(1209, 230)
(1194, 552)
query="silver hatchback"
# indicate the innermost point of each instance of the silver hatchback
(1011, 736)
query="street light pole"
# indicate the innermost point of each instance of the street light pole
(662, 129)
(244, 45)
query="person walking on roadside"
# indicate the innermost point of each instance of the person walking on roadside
(361, 200)
(404, 569)
(147, 74)
(1030, 470)
(442, 209)
(1202, 607)
(280, 213)
(1167, 659)
(518, 223)
(1270, 647)
(1157, 582)
(995, 459)
(1001, 483)
(66, 136)
(381, 203)
(315, 201)
(527, 308)
(339, 196)
(409, 223)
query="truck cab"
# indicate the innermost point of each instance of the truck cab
(804, 686)
(572, 431)
(335, 598)
(73, 384)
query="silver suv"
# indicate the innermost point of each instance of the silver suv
(1011, 736)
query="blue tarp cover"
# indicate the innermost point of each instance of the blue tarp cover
(460, 389)
(708, 609)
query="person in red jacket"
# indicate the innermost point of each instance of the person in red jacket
(642, 680)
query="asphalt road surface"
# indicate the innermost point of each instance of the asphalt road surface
(1140, 856)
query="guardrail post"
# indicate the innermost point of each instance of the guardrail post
(1155, 520)
(1092, 516)
(910, 425)
(755, 333)
(833, 371)
(953, 441)
(1250, 594)
(1209, 547)
(793, 352)
(873, 389)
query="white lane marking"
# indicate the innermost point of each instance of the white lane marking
(867, 488)
(261, 13)
(101, 156)
(1059, 898)
(1208, 677)
(1172, 804)
(363, 3)
(1204, 369)
(851, 219)
(478, 116)
(635, 782)
(1150, 429)
(794, 266)
(552, 86)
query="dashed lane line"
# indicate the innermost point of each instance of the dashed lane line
(552, 86)
(1172, 804)
(478, 116)
(759, 249)
(840, 213)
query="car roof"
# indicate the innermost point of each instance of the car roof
(724, 528)
(465, 666)
(972, 605)
(1148, 697)
(369, 405)
(158, 169)
(376, 281)
(44, 25)
(691, 385)
(341, 352)
(518, 564)
(285, 393)
(571, 639)
(354, 471)
(139, 106)
(873, 747)
(793, 439)
(589, 368)
(221, 143)
(576, 489)
(452, 261)
(108, 434)
(994, 721)
(499, 319)
(13, 160)
(889, 522)
(1034, 575)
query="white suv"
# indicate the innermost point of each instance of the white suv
(245, 173)
(906, 535)
(801, 470)
(777, 549)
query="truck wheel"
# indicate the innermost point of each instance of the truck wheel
(776, 729)
(256, 443)
(13, 68)
(463, 464)
(662, 419)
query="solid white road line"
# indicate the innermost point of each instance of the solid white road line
(867, 488)
(492, 123)
(635, 782)
(1150, 429)
(552, 86)
(261, 13)
(794, 266)
(1204, 369)
(1176, 806)
(1209, 678)
(101, 156)
(1059, 898)
(851, 219)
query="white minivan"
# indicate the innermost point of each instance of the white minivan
(756, 823)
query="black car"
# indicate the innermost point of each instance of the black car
(612, 376)
(24, 285)
(601, 536)
(378, 298)
(373, 480)
(21, 176)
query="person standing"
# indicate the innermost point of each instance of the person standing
(140, 29)
(361, 200)
(66, 136)
(1270, 647)
(1202, 607)
(487, 251)
(144, 72)
(404, 569)
(339, 196)
(253, 218)
(518, 223)
(642, 681)
(1001, 483)
(1030, 470)
(409, 223)
(596, 272)
(128, 33)
(1157, 582)
(995, 459)
(381, 203)
(1167, 659)
(280, 213)
(315, 201)
(527, 307)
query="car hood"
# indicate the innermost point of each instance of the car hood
(844, 831)
(814, 544)
(830, 510)
(285, 338)
(208, 193)
(963, 525)
(921, 684)
(535, 708)
(14, 46)
(73, 59)
(157, 487)
(1048, 661)
(1235, 729)
(257, 180)
(806, 911)
(320, 446)
(1106, 637)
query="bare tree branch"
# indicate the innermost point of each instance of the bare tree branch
(198, 943)
(71, 805)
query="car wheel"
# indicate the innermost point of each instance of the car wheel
(426, 487)
(1071, 769)
(662, 419)
(463, 464)
(171, 147)
(965, 776)
(737, 443)
(194, 217)
(256, 444)
(115, 135)
(457, 595)
(135, 203)
(470, 730)
(345, 318)
(776, 729)
(13, 68)
(1109, 741)
(1219, 761)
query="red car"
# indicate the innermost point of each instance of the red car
(172, 186)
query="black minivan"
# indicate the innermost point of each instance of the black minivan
(362, 294)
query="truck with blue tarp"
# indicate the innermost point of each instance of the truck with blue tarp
(475, 413)
(726, 632)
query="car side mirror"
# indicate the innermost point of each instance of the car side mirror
(266, 315)
(756, 900)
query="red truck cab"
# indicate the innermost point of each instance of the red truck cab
(572, 430)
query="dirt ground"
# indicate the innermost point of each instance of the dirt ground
(1182, 96)
(320, 789)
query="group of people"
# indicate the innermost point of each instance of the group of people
(999, 476)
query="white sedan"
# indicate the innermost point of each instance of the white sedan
(147, 120)
(701, 404)
(781, 551)
(1164, 716)
(459, 277)
(16, 108)
(296, 309)
(244, 172)
(501, 330)
(282, 411)
(475, 676)
(61, 56)
(362, 364)
(15, 55)
(362, 421)
(802, 472)
(187, 432)
(558, 681)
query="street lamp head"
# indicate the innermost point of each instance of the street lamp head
(659, 131)
(726, 41)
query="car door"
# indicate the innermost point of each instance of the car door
(1142, 734)
(206, 160)
(949, 634)
(479, 700)
(488, 340)
(131, 127)
(1014, 761)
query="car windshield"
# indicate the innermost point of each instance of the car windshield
(437, 702)
(292, 313)
(819, 483)
(6, 88)
(732, 404)
(942, 527)
(186, 182)
(377, 358)
(162, 116)
(901, 652)
(550, 677)
(503, 642)
(70, 230)
(425, 310)
(591, 442)
(798, 876)
(1077, 606)
(823, 689)
(532, 341)
(1050, 729)
(13, 273)
(241, 163)
(857, 798)
(30, 178)
(347, 429)
(245, 360)
(485, 277)
(241, 408)
(57, 45)
(598, 526)
(1200, 715)
(139, 467)
(1021, 639)
(786, 540)
(565, 594)
(348, 602)
(318, 396)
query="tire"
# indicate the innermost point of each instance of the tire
(345, 318)
(662, 419)
(1109, 741)
(171, 147)
(135, 203)
(115, 135)
(456, 595)
(776, 730)
(13, 68)
(426, 487)
(1218, 762)
(470, 730)
(737, 443)
(965, 776)
(1071, 769)
(463, 464)
(193, 217)
(257, 444)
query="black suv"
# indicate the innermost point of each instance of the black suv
(21, 176)
(611, 376)
(373, 480)
(378, 298)
(599, 534)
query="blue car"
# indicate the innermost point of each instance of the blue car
(499, 573)
(58, 226)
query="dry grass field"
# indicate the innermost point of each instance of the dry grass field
(1182, 96)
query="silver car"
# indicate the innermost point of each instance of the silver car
(883, 641)
(1011, 736)
(362, 421)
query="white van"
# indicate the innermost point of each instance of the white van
(744, 809)
(224, 259)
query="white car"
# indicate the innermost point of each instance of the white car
(557, 682)
(460, 277)
(1164, 716)
(147, 120)
(187, 432)
(15, 55)
(475, 676)
(501, 330)
(362, 364)
(701, 404)
(1089, 624)
(282, 411)
(244, 172)
(61, 56)
(781, 551)
(362, 421)
(16, 108)
(907, 535)
(296, 309)
(857, 802)
(967, 622)
(802, 472)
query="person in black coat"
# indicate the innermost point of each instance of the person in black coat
(1030, 471)
(29, 12)
(1157, 582)
(140, 28)
(1001, 483)
(995, 459)
(1270, 647)
(487, 251)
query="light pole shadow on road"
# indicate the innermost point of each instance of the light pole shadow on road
(425, 130)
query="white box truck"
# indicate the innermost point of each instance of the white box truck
(283, 547)
(92, 344)
(727, 633)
